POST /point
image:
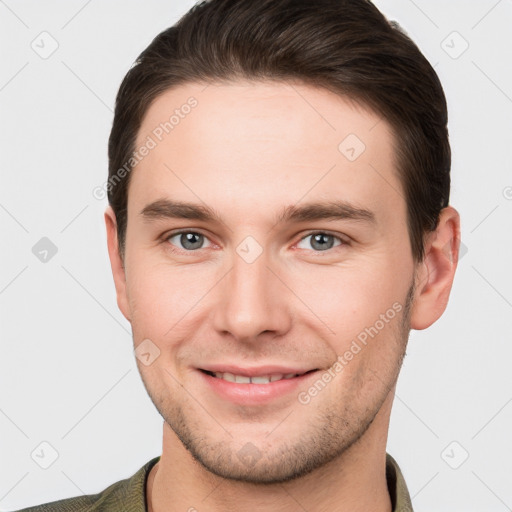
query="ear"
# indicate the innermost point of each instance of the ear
(116, 262)
(434, 276)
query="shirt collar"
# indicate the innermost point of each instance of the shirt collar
(398, 492)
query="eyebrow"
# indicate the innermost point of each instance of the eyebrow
(331, 210)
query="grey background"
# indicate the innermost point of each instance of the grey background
(67, 370)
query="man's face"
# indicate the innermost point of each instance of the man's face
(260, 291)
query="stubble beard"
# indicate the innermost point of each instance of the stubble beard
(330, 433)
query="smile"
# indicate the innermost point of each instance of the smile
(255, 387)
(257, 379)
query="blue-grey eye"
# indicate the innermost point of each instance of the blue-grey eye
(188, 240)
(321, 241)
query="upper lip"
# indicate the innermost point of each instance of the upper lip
(255, 371)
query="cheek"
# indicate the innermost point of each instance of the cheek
(164, 298)
(348, 298)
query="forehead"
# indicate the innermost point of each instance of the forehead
(271, 142)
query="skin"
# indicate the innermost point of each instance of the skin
(249, 150)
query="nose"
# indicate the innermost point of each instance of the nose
(252, 302)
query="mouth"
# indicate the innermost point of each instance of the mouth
(255, 387)
(255, 379)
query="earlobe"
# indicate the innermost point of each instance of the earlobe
(116, 263)
(436, 273)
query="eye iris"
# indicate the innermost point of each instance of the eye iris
(322, 241)
(191, 241)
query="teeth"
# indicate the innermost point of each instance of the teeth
(260, 379)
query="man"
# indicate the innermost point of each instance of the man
(278, 222)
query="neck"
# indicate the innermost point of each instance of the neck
(355, 481)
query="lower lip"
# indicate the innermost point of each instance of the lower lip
(254, 394)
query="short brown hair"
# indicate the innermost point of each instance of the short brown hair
(345, 46)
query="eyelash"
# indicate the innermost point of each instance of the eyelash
(343, 241)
